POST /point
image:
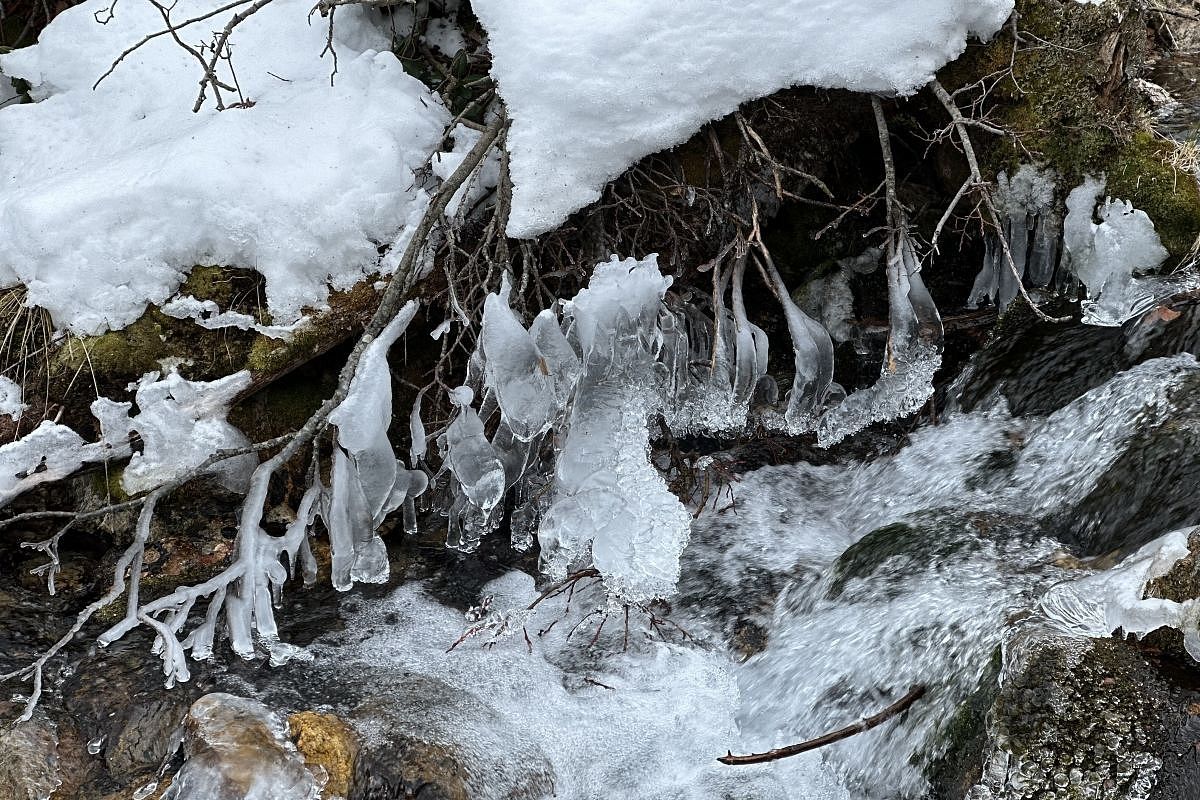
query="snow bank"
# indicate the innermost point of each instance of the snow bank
(592, 88)
(111, 196)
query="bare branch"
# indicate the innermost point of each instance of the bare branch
(866, 724)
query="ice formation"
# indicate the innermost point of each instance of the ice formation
(1032, 229)
(912, 356)
(368, 482)
(238, 747)
(113, 194)
(181, 423)
(207, 314)
(595, 381)
(1107, 256)
(1100, 604)
(657, 70)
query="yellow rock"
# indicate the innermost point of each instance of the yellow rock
(326, 741)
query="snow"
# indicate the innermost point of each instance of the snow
(10, 398)
(592, 88)
(112, 195)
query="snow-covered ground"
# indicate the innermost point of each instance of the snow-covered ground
(594, 87)
(112, 194)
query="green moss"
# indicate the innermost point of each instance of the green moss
(1070, 105)
(1141, 173)
(269, 356)
(131, 351)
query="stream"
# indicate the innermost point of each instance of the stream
(812, 595)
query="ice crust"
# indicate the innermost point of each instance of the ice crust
(112, 195)
(593, 88)
(180, 424)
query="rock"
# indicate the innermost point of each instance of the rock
(890, 556)
(238, 749)
(328, 743)
(1086, 719)
(29, 761)
(431, 741)
(1148, 489)
(118, 700)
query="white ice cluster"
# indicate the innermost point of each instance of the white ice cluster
(113, 193)
(1102, 603)
(1110, 258)
(1032, 231)
(585, 388)
(180, 424)
(591, 88)
(1107, 256)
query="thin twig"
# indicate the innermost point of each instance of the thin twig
(866, 724)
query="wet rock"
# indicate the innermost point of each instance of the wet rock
(29, 762)
(238, 749)
(1081, 719)
(328, 743)
(117, 698)
(1039, 367)
(1150, 488)
(891, 555)
(431, 741)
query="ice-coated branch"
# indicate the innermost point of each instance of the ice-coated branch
(981, 186)
(244, 589)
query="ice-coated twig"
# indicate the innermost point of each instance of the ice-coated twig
(246, 601)
(981, 186)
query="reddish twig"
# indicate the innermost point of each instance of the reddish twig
(865, 724)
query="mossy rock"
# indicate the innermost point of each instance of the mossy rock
(952, 774)
(328, 743)
(1078, 719)
(1071, 104)
(894, 553)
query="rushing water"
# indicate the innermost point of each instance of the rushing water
(811, 596)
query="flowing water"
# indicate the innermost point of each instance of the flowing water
(811, 597)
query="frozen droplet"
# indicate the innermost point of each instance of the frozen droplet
(95, 745)
(145, 790)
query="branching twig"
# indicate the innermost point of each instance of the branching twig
(980, 185)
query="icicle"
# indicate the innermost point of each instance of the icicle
(913, 354)
(367, 481)
(813, 358)
(750, 360)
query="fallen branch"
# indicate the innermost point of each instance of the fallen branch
(898, 707)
